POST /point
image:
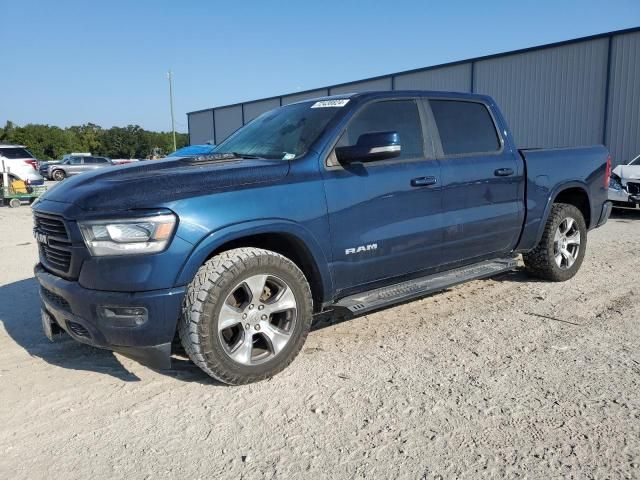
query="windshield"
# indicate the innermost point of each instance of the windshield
(284, 133)
(193, 151)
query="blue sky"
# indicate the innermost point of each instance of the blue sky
(71, 62)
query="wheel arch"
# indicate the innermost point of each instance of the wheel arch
(566, 193)
(286, 238)
(579, 198)
(58, 169)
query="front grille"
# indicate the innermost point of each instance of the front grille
(58, 258)
(78, 329)
(51, 225)
(56, 253)
(55, 299)
(633, 188)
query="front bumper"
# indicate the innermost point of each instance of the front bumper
(74, 309)
(622, 199)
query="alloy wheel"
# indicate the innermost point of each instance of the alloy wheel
(257, 319)
(566, 243)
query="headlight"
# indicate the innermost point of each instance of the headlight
(128, 236)
(614, 182)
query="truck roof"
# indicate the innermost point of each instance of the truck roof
(401, 93)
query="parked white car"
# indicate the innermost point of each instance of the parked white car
(624, 185)
(20, 163)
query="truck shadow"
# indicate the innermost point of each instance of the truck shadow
(625, 216)
(20, 316)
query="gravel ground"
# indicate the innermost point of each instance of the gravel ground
(508, 377)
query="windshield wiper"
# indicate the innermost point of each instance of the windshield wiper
(233, 155)
(245, 155)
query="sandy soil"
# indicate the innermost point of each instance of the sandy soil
(508, 377)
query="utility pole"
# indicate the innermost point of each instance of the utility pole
(173, 122)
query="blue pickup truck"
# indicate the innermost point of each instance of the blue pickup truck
(346, 203)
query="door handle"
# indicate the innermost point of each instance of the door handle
(423, 181)
(503, 172)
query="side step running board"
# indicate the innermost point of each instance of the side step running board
(419, 287)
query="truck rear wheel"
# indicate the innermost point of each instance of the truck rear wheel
(561, 250)
(246, 315)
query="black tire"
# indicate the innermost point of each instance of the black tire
(15, 203)
(205, 297)
(540, 262)
(58, 175)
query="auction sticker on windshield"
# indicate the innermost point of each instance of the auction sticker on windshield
(330, 103)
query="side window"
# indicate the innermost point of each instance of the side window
(464, 127)
(75, 161)
(390, 116)
(90, 160)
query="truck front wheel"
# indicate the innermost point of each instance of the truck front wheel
(561, 250)
(246, 315)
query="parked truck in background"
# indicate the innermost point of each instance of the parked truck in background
(346, 203)
(43, 167)
(75, 166)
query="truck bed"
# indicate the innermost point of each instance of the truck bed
(550, 170)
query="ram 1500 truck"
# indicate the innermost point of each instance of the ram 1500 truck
(348, 203)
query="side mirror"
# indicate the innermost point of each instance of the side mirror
(371, 147)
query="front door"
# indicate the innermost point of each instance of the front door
(482, 183)
(385, 216)
(75, 165)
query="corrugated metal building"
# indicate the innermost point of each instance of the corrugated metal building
(579, 92)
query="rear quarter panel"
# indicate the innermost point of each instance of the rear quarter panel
(551, 171)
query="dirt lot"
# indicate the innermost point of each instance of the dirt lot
(504, 377)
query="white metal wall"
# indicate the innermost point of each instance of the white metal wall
(366, 85)
(227, 120)
(254, 109)
(575, 93)
(456, 78)
(553, 97)
(298, 97)
(201, 127)
(623, 115)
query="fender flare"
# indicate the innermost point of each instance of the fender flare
(552, 198)
(208, 244)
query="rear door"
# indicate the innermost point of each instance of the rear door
(92, 163)
(482, 182)
(385, 215)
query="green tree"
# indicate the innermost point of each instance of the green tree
(50, 142)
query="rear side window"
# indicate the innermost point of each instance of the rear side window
(464, 127)
(392, 116)
(13, 153)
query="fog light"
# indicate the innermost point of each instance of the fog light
(123, 316)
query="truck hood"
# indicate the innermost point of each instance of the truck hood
(628, 172)
(151, 183)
